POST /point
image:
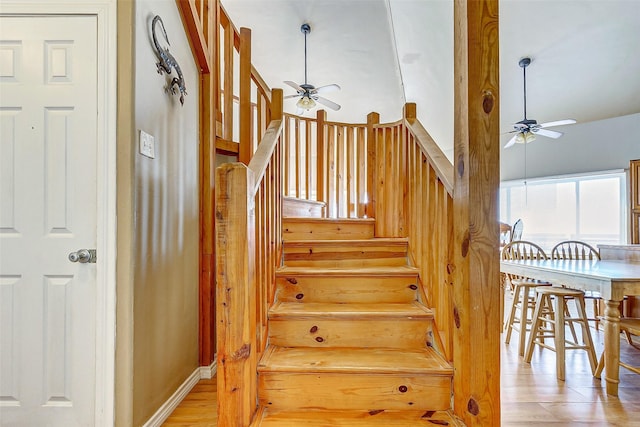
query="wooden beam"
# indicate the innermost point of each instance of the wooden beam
(246, 129)
(475, 263)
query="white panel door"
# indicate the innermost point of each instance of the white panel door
(48, 120)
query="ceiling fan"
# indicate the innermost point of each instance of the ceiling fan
(308, 93)
(527, 129)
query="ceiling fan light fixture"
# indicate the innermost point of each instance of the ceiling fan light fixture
(306, 103)
(525, 137)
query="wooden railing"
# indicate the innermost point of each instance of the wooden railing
(429, 222)
(249, 245)
(244, 97)
(328, 162)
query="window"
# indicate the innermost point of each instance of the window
(591, 208)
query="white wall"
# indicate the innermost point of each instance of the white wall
(584, 147)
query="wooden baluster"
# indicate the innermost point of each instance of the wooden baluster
(340, 172)
(372, 168)
(246, 148)
(331, 171)
(351, 175)
(321, 152)
(361, 187)
(307, 139)
(287, 156)
(298, 158)
(227, 127)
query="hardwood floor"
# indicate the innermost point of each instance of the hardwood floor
(198, 408)
(531, 394)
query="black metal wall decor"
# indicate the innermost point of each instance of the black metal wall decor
(167, 62)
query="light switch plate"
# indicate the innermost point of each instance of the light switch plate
(147, 145)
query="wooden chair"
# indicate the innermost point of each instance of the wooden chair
(546, 326)
(523, 290)
(574, 249)
(516, 230)
(629, 327)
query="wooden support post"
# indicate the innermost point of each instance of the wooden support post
(321, 168)
(372, 179)
(235, 295)
(246, 128)
(207, 203)
(475, 264)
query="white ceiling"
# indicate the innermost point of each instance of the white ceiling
(383, 53)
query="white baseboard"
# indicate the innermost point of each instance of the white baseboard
(208, 372)
(161, 415)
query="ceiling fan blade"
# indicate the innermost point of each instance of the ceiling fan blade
(557, 123)
(325, 89)
(294, 85)
(326, 102)
(512, 141)
(292, 96)
(548, 133)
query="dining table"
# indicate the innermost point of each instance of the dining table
(613, 279)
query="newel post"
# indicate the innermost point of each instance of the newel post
(276, 104)
(372, 168)
(246, 126)
(409, 111)
(235, 295)
(474, 267)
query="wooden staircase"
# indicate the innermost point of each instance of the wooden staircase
(349, 337)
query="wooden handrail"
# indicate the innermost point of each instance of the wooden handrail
(437, 159)
(260, 83)
(262, 156)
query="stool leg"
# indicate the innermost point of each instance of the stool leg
(567, 314)
(512, 313)
(524, 320)
(598, 372)
(535, 327)
(559, 337)
(586, 333)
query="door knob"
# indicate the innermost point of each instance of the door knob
(83, 256)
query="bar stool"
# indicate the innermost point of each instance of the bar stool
(557, 297)
(523, 301)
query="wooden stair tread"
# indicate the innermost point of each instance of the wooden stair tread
(354, 360)
(376, 241)
(402, 270)
(269, 417)
(362, 311)
(331, 220)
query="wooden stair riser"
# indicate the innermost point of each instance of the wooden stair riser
(354, 391)
(369, 333)
(347, 289)
(346, 254)
(326, 229)
(372, 418)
